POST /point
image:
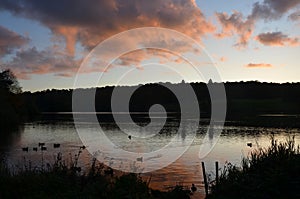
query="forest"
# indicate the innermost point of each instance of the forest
(249, 103)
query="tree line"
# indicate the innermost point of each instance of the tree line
(244, 99)
(241, 97)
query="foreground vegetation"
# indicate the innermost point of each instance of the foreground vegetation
(268, 173)
(62, 181)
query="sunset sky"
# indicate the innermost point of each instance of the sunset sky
(44, 41)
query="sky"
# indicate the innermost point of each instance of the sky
(45, 42)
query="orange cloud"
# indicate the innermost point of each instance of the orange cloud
(276, 39)
(90, 23)
(223, 59)
(259, 65)
(70, 34)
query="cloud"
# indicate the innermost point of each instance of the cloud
(10, 40)
(276, 39)
(237, 24)
(259, 65)
(295, 15)
(31, 61)
(91, 23)
(273, 9)
(223, 59)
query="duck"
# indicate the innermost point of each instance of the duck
(44, 148)
(249, 144)
(56, 145)
(41, 144)
(193, 188)
(34, 148)
(25, 149)
(129, 137)
(140, 159)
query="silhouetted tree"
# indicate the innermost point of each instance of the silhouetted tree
(9, 82)
(11, 105)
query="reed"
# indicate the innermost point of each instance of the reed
(271, 172)
(65, 179)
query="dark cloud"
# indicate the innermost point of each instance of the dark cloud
(280, 7)
(10, 40)
(92, 22)
(273, 9)
(32, 61)
(276, 39)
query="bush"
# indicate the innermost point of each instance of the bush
(272, 172)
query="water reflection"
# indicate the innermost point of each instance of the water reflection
(8, 138)
(231, 146)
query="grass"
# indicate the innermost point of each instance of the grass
(272, 172)
(68, 181)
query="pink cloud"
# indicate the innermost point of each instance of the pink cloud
(90, 23)
(259, 65)
(223, 59)
(235, 24)
(242, 27)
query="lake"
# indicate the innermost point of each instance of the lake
(230, 147)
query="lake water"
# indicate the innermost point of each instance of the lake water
(231, 147)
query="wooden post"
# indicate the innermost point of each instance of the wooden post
(205, 179)
(217, 174)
